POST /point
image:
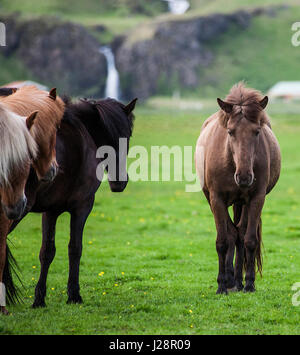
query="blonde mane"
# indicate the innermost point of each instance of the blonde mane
(17, 145)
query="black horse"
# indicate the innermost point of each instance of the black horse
(86, 126)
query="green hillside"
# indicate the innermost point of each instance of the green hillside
(261, 55)
(205, 7)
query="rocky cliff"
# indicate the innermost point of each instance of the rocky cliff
(57, 53)
(153, 59)
(171, 53)
(166, 55)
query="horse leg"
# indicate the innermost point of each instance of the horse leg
(239, 259)
(231, 241)
(223, 242)
(253, 240)
(4, 225)
(47, 254)
(78, 219)
(3, 309)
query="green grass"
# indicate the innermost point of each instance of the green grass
(116, 16)
(206, 7)
(155, 244)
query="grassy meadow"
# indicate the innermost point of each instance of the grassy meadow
(149, 264)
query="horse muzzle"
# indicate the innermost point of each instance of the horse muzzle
(16, 211)
(51, 174)
(117, 186)
(244, 180)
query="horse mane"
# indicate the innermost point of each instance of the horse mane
(17, 145)
(108, 113)
(7, 91)
(28, 99)
(246, 102)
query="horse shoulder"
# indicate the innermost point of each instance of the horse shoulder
(212, 154)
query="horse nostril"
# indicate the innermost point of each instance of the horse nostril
(24, 202)
(237, 178)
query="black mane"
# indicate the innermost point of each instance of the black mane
(105, 117)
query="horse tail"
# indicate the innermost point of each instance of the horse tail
(13, 294)
(258, 252)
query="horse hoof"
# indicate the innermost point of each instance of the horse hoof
(239, 287)
(249, 288)
(222, 291)
(232, 289)
(230, 285)
(38, 304)
(76, 299)
(4, 311)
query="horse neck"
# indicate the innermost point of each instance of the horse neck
(83, 120)
(101, 133)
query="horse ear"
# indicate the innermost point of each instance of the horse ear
(225, 106)
(30, 119)
(52, 94)
(263, 103)
(130, 107)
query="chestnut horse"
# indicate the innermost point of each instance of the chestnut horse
(51, 109)
(86, 126)
(24, 143)
(18, 148)
(241, 165)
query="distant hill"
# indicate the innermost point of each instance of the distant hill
(205, 55)
(202, 53)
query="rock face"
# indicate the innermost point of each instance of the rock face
(57, 53)
(155, 58)
(171, 53)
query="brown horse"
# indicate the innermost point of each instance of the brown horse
(241, 165)
(18, 148)
(51, 109)
(24, 142)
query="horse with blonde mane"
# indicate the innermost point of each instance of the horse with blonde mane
(18, 148)
(29, 118)
(241, 165)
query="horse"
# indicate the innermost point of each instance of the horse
(25, 141)
(242, 164)
(86, 126)
(18, 147)
(51, 109)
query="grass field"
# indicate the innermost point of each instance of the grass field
(149, 264)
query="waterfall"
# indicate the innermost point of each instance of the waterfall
(178, 7)
(112, 88)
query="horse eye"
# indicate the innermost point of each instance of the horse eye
(257, 132)
(230, 132)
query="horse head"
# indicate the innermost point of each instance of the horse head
(243, 120)
(18, 148)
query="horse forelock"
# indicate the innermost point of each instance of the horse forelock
(114, 117)
(246, 103)
(17, 145)
(108, 114)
